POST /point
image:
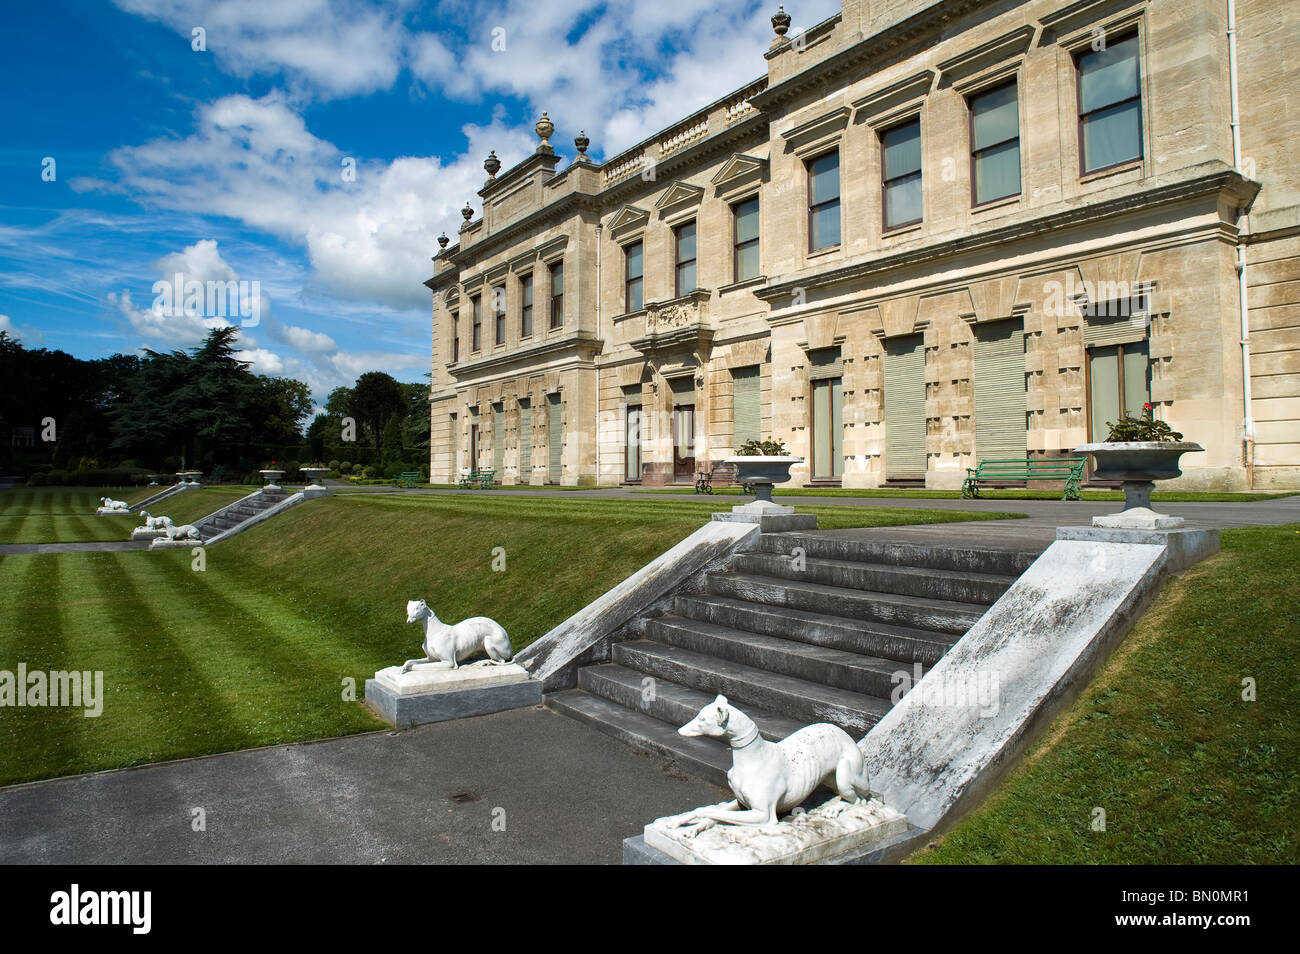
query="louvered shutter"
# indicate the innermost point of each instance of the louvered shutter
(747, 412)
(525, 442)
(555, 435)
(905, 407)
(1000, 429)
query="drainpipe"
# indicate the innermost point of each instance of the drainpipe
(596, 436)
(1248, 417)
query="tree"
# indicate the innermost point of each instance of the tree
(376, 397)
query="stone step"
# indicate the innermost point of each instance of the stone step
(836, 546)
(944, 616)
(705, 758)
(667, 701)
(853, 635)
(790, 696)
(869, 675)
(954, 585)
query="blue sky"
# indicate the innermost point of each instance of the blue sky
(228, 163)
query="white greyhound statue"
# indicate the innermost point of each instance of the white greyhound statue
(445, 646)
(108, 503)
(156, 523)
(774, 777)
(186, 531)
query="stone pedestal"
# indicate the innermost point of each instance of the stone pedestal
(162, 543)
(110, 512)
(430, 694)
(1183, 547)
(144, 533)
(831, 829)
(770, 517)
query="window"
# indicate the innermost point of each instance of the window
(685, 257)
(633, 277)
(526, 308)
(745, 256)
(995, 144)
(476, 306)
(557, 295)
(455, 339)
(1110, 106)
(900, 169)
(499, 308)
(632, 430)
(824, 202)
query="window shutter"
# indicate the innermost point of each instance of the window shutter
(525, 442)
(747, 411)
(905, 407)
(683, 390)
(1000, 428)
(498, 439)
(825, 363)
(555, 435)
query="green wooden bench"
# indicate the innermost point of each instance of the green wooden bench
(1069, 469)
(408, 480)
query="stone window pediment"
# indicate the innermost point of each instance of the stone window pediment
(885, 106)
(678, 197)
(739, 168)
(818, 134)
(627, 221)
(988, 62)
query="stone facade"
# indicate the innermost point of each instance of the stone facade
(902, 353)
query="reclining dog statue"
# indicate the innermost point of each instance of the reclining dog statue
(156, 523)
(108, 503)
(770, 778)
(186, 531)
(445, 646)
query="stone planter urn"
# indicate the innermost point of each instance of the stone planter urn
(189, 478)
(771, 517)
(271, 476)
(763, 472)
(314, 487)
(1138, 464)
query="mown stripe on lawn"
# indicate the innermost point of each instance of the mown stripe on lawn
(46, 735)
(166, 664)
(273, 669)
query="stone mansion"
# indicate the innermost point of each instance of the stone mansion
(929, 233)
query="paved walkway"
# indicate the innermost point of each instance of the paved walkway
(11, 548)
(565, 792)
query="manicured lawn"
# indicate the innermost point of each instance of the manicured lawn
(1186, 770)
(67, 514)
(255, 649)
(1007, 494)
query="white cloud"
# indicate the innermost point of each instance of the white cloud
(253, 160)
(30, 337)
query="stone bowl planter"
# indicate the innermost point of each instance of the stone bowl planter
(314, 487)
(1138, 464)
(271, 476)
(763, 472)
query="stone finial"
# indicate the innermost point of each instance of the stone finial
(582, 142)
(780, 22)
(545, 128)
(443, 240)
(467, 212)
(492, 164)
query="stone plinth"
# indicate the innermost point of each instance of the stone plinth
(111, 512)
(831, 829)
(180, 543)
(428, 694)
(770, 517)
(144, 533)
(1138, 518)
(1183, 547)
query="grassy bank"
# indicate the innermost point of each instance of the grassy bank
(67, 514)
(1186, 770)
(256, 648)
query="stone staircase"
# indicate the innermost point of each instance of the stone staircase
(238, 513)
(807, 627)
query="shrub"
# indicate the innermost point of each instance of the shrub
(762, 449)
(36, 480)
(345, 467)
(1131, 428)
(333, 465)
